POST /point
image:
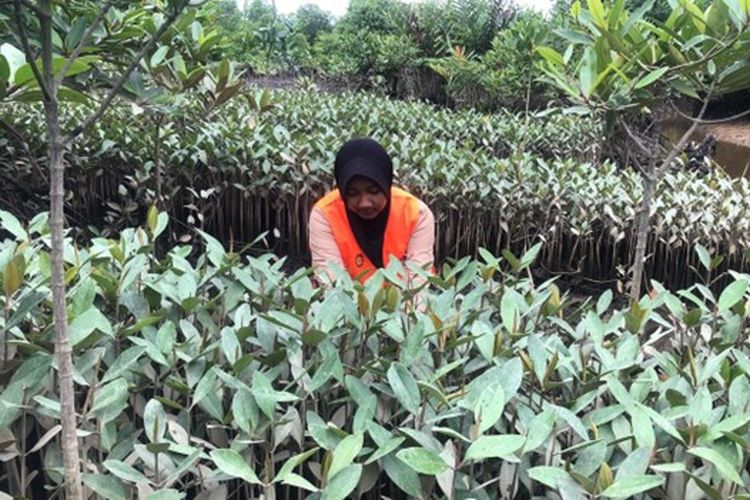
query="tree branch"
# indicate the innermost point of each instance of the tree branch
(708, 122)
(638, 141)
(677, 148)
(27, 48)
(77, 51)
(124, 77)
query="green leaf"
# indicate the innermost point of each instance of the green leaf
(345, 453)
(113, 393)
(732, 294)
(548, 476)
(404, 387)
(25, 74)
(484, 338)
(615, 14)
(298, 481)
(123, 362)
(13, 275)
(668, 468)
(539, 429)
(87, 323)
(490, 406)
(231, 463)
(326, 436)
(538, 355)
(509, 312)
(204, 387)
(385, 449)
(152, 218)
(158, 447)
(422, 460)
(551, 55)
(402, 476)
(159, 55)
(343, 483)
(650, 78)
(588, 72)
(634, 465)
(597, 11)
(14, 57)
(154, 421)
(313, 337)
(723, 466)
(245, 410)
(530, 255)
(709, 490)
(590, 457)
(75, 33)
(105, 486)
(230, 345)
(4, 69)
(636, 16)
(125, 471)
(293, 463)
(494, 446)
(633, 486)
(739, 10)
(739, 396)
(266, 396)
(713, 366)
(643, 430)
(169, 494)
(661, 421)
(13, 226)
(325, 371)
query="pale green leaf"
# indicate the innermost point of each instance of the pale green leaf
(422, 460)
(723, 466)
(631, 486)
(494, 446)
(343, 483)
(230, 462)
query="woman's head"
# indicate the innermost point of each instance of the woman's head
(364, 174)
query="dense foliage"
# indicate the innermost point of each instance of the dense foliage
(493, 180)
(503, 77)
(182, 368)
(406, 49)
(224, 376)
(190, 368)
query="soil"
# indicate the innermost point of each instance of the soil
(733, 133)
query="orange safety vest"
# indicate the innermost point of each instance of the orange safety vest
(402, 219)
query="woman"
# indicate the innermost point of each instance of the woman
(367, 221)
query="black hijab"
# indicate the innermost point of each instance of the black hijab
(365, 157)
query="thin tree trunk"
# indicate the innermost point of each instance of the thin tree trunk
(157, 161)
(649, 179)
(63, 349)
(644, 216)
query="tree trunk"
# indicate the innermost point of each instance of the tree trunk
(644, 216)
(157, 160)
(63, 349)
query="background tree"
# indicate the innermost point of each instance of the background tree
(631, 68)
(310, 20)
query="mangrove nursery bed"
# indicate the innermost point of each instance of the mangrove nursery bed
(500, 181)
(225, 377)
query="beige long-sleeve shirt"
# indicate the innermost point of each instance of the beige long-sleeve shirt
(325, 252)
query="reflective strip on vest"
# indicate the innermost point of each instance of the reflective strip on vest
(402, 219)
